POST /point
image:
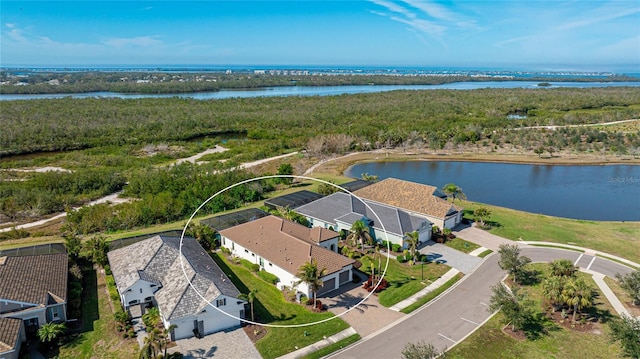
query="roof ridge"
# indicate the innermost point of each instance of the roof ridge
(182, 294)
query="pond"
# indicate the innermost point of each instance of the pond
(603, 193)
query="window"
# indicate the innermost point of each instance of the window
(246, 251)
(54, 313)
(221, 302)
(140, 290)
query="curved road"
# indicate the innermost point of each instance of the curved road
(456, 314)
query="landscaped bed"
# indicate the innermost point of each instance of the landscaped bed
(271, 307)
(404, 280)
(461, 245)
(556, 337)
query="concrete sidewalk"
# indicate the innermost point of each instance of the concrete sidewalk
(319, 345)
(430, 288)
(613, 299)
(587, 251)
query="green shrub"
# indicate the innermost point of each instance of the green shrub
(107, 269)
(401, 258)
(396, 247)
(250, 266)
(225, 250)
(268, 277)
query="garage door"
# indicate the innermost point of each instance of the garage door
(328, 286)
(344, 277)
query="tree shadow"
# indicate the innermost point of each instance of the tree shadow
(529, 277)
(90, 310)
(537, 326)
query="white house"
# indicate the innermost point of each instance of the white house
(281, 247)
(190, 290)
(416, 199)
(340, 211)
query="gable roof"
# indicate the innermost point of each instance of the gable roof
(348, 209)
(157, 260)
(9, 332)
(286, 244)
(415, 197)
(39, 279)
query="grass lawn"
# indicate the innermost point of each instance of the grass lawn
(99, 337)
(461, 245)
(490, 341)
(427, 298)
(625, 298)
(617, 238)
(485, 253)
(333, 347)
(404, 280)
(271, 307)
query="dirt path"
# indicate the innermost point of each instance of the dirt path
(197, 156)
(581, 125)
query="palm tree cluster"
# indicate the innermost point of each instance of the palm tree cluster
(359, 234)
(158, 337)
(564, 289)
(310, 274)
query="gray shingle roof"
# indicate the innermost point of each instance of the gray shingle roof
(348, 209)
(157, 260)
(39, 279)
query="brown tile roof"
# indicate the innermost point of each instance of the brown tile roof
(40, 279)
(9, 332)
(286, 244)
(415, 197)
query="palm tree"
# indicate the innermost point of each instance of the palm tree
(250, 297)
(152, 345)
(359, 232)
(577, 294)
(552, 289)
(413, 238)
(310, 274)
(453, 191)
(563, 268)
(51, 331)
(166, 338)
(151, 318)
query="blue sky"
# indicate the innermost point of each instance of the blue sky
(560, 35)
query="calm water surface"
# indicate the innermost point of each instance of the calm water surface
(605, 193)
(325, 90)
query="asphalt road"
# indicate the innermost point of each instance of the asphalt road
(462, 309)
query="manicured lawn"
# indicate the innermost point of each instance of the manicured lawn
(333, 347)
(99, 338)
(623, 296)
(617, 238)
(485, 253)
(404, 280)
(490, 341)
(461, 245)
(271, 307)
(427, 298)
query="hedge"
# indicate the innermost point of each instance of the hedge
(268, 277)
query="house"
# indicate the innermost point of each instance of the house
(281, 247)
(33, 291)
(339, 211)
(190, 290)
(11, 337)
(415, 198)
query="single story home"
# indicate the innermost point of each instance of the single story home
(415, 198)
(190, 290)
(281, 247)
(33, 289)
(339, 211)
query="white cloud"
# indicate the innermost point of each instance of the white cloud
(432, 9)
(425, 26)
(515, 39)
(600, 18)
(393, 7)
(141, 41)
(10, 25)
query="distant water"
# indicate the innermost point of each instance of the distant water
(286, 91)
(604, 193)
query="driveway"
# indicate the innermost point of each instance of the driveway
(449, 256)
(228, 344)
(367, 317)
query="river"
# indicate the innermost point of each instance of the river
(323, 90)
(603, 193)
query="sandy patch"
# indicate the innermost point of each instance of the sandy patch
(196, 157)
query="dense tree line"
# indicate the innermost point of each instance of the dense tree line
(51, 192)
(168, 194)
(434, 117)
